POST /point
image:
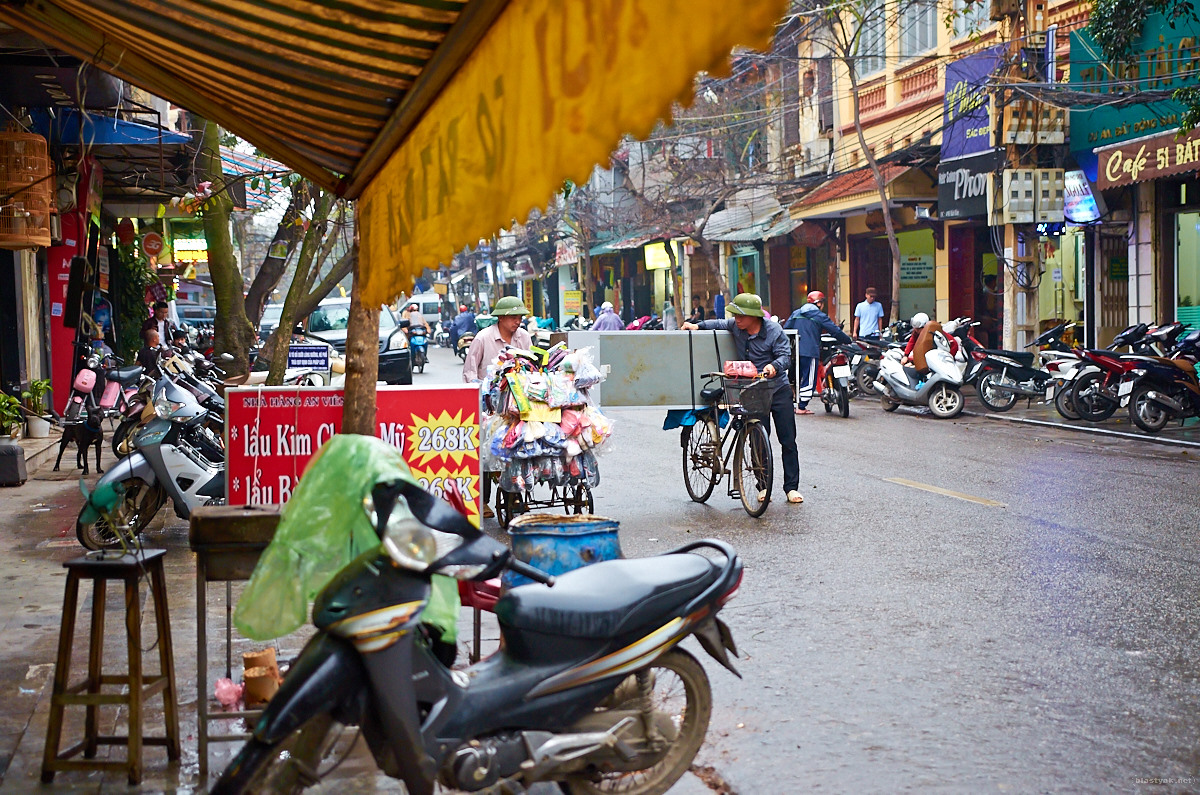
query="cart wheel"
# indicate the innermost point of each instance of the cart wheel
(504, 507)
(581, 500)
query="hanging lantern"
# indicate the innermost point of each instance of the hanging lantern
(26, 190)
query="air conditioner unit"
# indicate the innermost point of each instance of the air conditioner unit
(1050, 193)
(1012, 201)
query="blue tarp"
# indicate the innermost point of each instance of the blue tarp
(678, 418)
(70, 127)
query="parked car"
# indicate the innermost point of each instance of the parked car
(195, 314)
(270, 319)
(328, 323)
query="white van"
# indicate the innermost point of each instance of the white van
(431, 306)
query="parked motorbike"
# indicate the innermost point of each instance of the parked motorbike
(1002, 377)
(834, 375)
(1067, 369)
(588, 689)
(1162, 390)
(1097, 391)
(119, 386)
(418, 348)
(176, 455)
(866, 361)
(940, 389)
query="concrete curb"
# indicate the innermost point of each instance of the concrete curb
(1085, 429)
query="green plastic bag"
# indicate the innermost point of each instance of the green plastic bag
(322, 529)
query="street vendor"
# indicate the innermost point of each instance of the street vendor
(763, 343)
(508, 311)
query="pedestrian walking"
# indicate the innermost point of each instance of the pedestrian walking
(762, 342)
(810, 321)
(868, 316)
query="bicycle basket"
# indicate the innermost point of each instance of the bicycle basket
(752, 394)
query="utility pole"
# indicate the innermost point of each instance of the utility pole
(1025, 194)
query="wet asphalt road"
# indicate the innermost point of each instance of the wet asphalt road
(892, 638)
(898, 639)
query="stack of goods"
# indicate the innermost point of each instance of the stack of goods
(543, 428)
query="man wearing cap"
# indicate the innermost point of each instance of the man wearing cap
(608, 320)
(488, 343)
(763, 343)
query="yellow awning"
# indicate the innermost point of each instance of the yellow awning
(449, 118)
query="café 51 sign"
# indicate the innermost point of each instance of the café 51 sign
(1147, 158)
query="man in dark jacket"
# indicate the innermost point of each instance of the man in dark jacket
(763, 342)
(461, 325)
(810, 321)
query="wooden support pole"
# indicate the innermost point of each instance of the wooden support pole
(362, 361)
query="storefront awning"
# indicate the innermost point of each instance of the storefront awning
(1152, 157)
(635, 240)
(446, 118)
(855, 191)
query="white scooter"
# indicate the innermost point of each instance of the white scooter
(940, 389)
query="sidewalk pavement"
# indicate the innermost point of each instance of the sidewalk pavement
(1186, 434)
(39, 535)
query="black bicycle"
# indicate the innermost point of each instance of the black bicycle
(708, 450)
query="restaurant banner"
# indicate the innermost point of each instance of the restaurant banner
(272, 432)
(1147, 158)
(967, 110)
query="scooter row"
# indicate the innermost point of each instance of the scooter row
(172, 448)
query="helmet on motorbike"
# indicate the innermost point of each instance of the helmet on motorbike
(509, 305)
(919, 320)
(462, 307)
(413, 307)
(950, 326)
(746, 304)
(816, 297)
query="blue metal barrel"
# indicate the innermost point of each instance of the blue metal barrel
(557, 544)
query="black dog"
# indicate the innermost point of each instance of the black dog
(84, 433)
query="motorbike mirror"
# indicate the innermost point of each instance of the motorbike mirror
(428, 509)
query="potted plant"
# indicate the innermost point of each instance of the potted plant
(36, 424)
(11, 418)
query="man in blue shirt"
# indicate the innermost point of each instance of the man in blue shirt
(868, 316)
(763, 343)
(810, 322)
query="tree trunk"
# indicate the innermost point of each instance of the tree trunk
(588, 284)
(676, 282)
(714, 265)
(287, 237)
(299, 303)
(362, 361)
(234, 334)
(881, 185)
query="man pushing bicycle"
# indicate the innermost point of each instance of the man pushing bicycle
(763, 343)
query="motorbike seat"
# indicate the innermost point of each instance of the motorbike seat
(1025, 358)
(608, 598)
(125, 376)
(712, 395)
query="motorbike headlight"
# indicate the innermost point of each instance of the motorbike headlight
(93, 362)
(165, 408)
(397, 342)
(411, 544)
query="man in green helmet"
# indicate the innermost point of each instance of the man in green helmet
(508, 312)
(763, 342)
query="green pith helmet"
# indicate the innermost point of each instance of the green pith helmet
(746, 304)
(509, 305)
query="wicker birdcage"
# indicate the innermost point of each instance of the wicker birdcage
(26, 190)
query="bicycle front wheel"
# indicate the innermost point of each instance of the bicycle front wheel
(753, 469)
(701, 459)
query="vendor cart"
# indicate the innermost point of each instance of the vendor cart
(541, 438)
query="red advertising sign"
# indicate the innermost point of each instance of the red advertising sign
(272, 432)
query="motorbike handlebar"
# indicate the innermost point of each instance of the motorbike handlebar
(525, 570)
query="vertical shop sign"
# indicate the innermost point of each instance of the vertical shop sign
(967, 112)
(272, 432)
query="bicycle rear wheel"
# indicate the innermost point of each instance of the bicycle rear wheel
(753, 469)
(701, 459)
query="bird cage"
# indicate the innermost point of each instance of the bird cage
(26, 190)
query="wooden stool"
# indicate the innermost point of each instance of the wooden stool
(129, 568)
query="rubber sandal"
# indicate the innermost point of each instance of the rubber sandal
(803, 412)
(794, 496)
